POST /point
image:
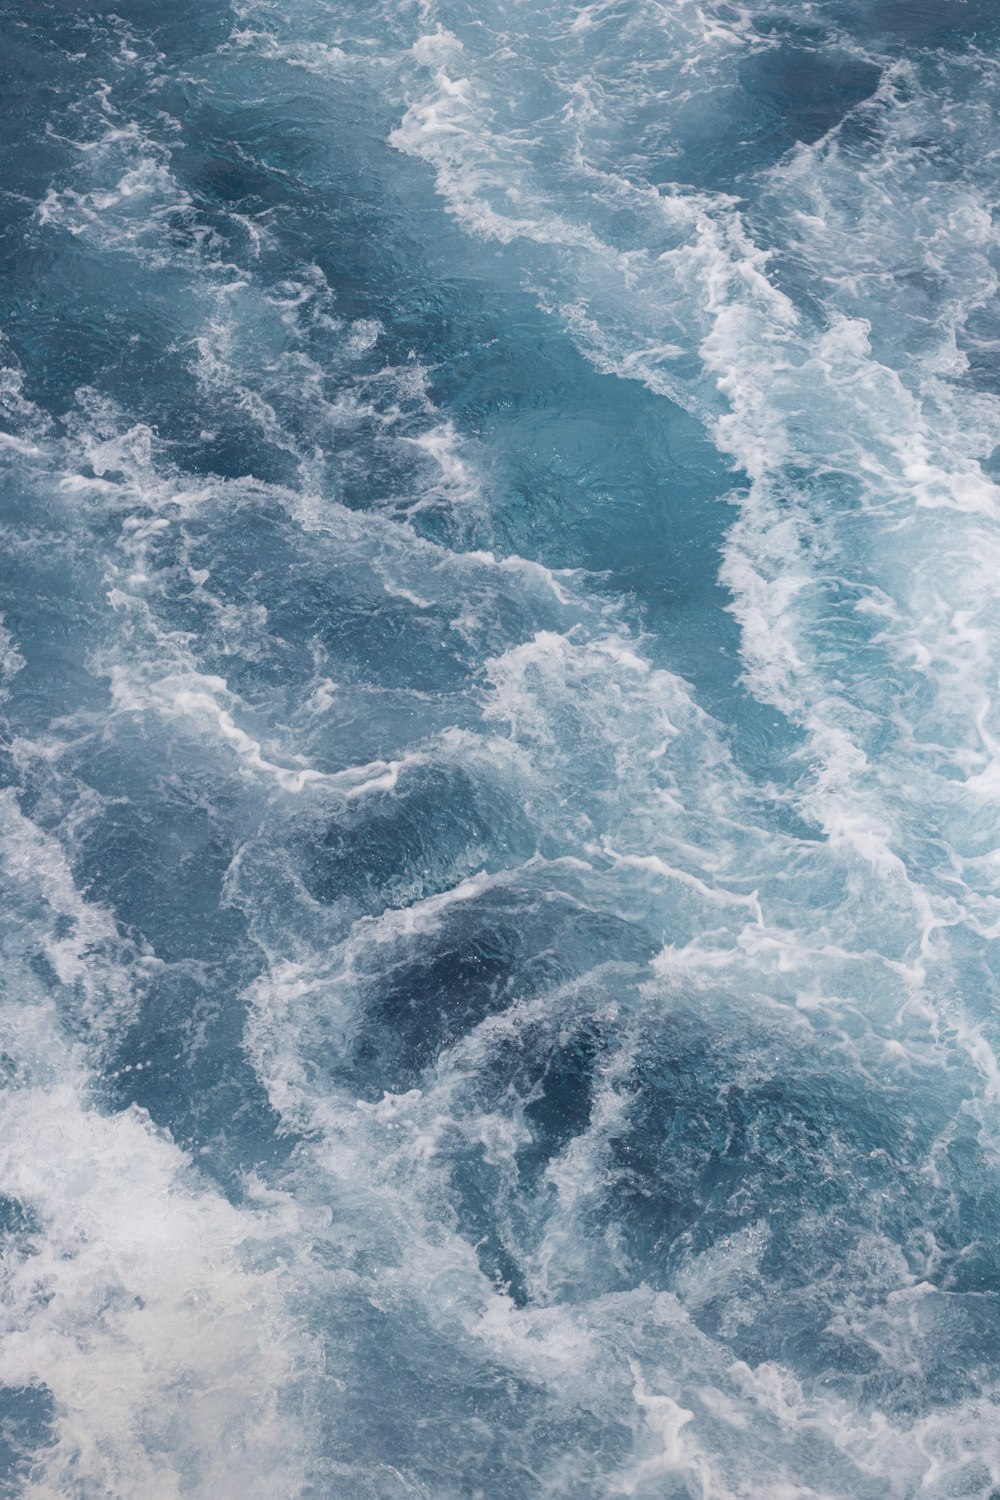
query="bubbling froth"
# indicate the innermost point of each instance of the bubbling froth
(498, 834)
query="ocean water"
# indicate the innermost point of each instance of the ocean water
(500, 755)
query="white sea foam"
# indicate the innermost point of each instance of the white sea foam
(169, 1315)
(759, 357)
(135, 1303)
(133, 1299)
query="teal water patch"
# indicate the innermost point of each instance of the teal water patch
(498, 834)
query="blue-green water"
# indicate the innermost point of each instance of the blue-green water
(501, 750)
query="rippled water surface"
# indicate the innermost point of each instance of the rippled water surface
(500, 759)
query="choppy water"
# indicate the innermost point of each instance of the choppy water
(501, 750)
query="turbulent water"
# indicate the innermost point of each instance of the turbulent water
(499, 835)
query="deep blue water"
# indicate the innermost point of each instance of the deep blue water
(500, 811)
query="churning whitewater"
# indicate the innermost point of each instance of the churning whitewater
(500, 810)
